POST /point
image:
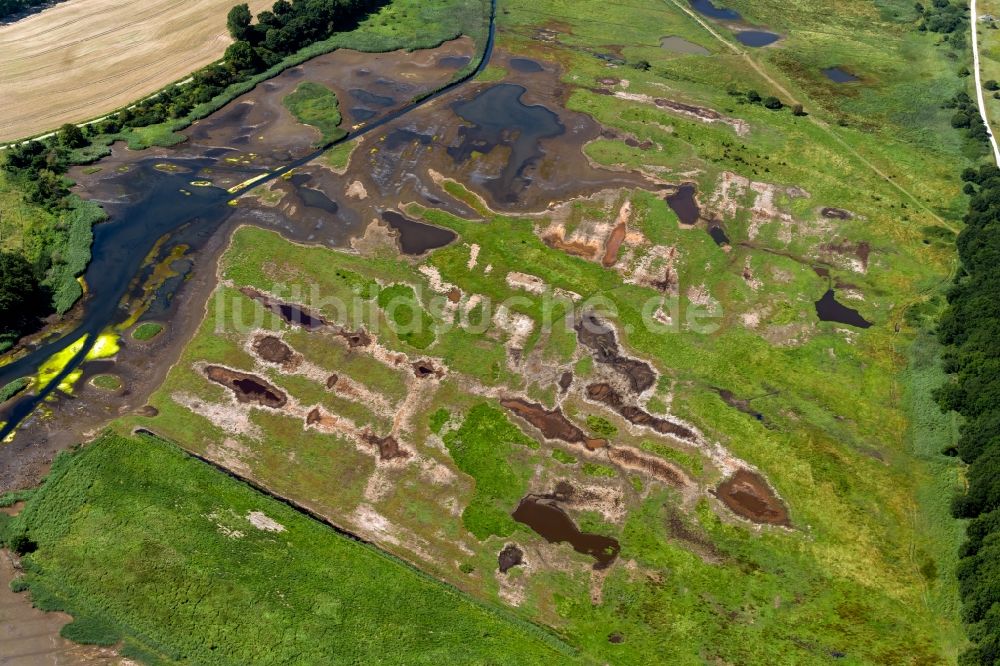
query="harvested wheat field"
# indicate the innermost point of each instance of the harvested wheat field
(83, 58)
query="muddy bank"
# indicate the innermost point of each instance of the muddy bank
(600, 338)
(552, 423)
(246, 387)
(606, 394)
(29, 636)
(555, 526)
(748, 495)
(651, 465)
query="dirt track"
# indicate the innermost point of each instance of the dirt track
(82, 58)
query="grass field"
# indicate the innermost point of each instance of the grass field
(82, 58)
(141, 543)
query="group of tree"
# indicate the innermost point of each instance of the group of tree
(970, 327)
(945, 17)
(286, 28)
(967, 118)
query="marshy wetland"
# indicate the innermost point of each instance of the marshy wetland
(549, 354)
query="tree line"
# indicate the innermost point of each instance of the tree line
(970, 327)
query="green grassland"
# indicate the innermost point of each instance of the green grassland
(145, 544)
(849, 580)
(316, 105)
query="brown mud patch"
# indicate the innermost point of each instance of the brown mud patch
(606, 394)
(600, 338)
(552, 423)
(388, 446)
(246, 387)
(426, 369)
(748, 495)
(273, 350)
(511, 556)
(548, 520)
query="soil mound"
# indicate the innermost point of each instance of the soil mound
(747, 494)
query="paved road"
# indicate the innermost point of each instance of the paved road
(974, 19)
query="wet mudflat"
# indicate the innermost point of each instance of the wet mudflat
(828, 308)
(684, 205)
(680, 45)
(500, 118)
(414, 237)
(749, 496)
(553, 524)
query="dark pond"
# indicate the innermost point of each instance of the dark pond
(525, 65)
(555, 526)
(838, 75)
(417, 237)
(756, 38)
(499, 118)
(708, 9)
(316, 199)
(402, 137)
(829, 309)
(682, 202)
(361, 113)
(370, 98)
(718, 234)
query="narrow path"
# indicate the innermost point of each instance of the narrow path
(974, 20)
(815, 121)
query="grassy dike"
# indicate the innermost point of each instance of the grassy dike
(144, 544)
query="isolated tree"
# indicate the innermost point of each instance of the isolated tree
(642, 65)
(72, 136)
(753, 96)
(238, 22)
(797, 110)
(772, 103)
(991, 85)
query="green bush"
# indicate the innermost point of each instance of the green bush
(316, 105)
(147, 331)
(480, 447)
(91, 631)
(13, 388)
